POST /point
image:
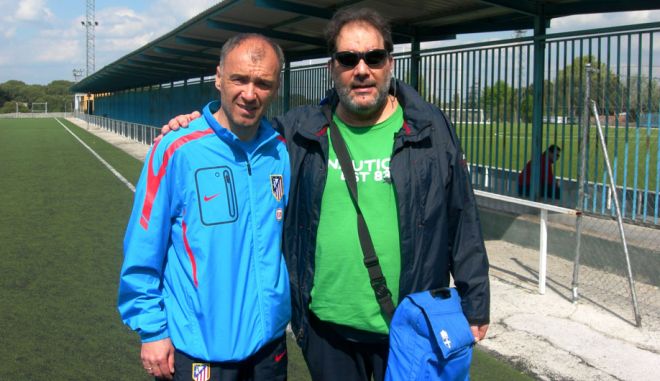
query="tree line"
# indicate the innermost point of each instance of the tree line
(614, 94)
(56, 93)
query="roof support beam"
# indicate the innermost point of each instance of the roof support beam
(524, 7)
(198, 42)
(582, 7)
(297, 8)
(186, 53)
(163, 66)
(126, 73)
(266, 32)
(175, 63)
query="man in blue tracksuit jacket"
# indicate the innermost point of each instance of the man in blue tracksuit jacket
(204, 282)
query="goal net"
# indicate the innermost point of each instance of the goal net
(466, 115)
(39, 107)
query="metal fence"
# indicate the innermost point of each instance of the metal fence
(486, 89)
(141, 133)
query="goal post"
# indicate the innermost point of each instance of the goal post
(466, 115)
(39, 107)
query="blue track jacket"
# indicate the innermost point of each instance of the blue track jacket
(203, 258)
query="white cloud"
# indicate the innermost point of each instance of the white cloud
(9, 32)
(63, 51)
(184, 10)
(33, 10)
(122, 30)
(602, 20)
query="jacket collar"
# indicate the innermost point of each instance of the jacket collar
(264, 134)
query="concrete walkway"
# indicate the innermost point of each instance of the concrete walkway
(547, 335)
(556, 339)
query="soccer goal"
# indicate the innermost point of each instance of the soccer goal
(466, 115)
(39, 108)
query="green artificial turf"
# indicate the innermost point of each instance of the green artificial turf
(63, 216)
(633, 152)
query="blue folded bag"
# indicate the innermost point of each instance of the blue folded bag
(430, 338)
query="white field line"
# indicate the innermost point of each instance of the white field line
(114, 171)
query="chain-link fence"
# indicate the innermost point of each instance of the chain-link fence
(602, 279)
(602, 272)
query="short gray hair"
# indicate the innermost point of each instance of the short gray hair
(238, 39)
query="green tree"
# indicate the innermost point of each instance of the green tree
(4, 96)
(606, 88)
(56, 93)
(644, 94)
(500, 101)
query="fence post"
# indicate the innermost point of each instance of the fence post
(537, 118)
(287, 86)
(414, 64)
(543, 256)
(582, 148)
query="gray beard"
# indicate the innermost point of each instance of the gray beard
(347, 102)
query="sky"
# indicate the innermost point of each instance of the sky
(43, 40)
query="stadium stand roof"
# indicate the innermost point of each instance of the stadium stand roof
(192, 49)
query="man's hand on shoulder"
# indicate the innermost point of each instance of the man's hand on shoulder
(176, 123)
(158, 358)
(479, 331)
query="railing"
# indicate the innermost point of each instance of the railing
(141, 133)
(486, 89)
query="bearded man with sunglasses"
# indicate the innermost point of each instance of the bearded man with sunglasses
(414, 193)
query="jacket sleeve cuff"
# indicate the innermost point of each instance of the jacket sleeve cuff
(478, 321)
(148, 337)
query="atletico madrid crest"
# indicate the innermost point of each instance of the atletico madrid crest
(277, 186)
(201, 371)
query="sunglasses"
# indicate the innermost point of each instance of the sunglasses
(373, 58)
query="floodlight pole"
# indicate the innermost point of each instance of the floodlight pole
(90, 25)
(77, 74)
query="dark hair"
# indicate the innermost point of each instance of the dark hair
(363, 15)
(238, 39)
(554, 148)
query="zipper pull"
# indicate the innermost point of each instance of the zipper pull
(249, 168)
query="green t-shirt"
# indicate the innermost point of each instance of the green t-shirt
(342, 293)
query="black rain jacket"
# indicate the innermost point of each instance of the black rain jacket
(439, 226)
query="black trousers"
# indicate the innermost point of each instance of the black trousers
(269, 363)
(333, 356)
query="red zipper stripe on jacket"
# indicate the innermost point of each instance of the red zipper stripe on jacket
(406, 127)
(190, 253)
(153, 180)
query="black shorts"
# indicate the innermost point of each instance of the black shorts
(269, 363)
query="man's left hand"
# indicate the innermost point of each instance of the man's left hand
(176, 123)
(479, 331)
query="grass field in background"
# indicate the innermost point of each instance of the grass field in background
(63, 216)
(508, 145)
